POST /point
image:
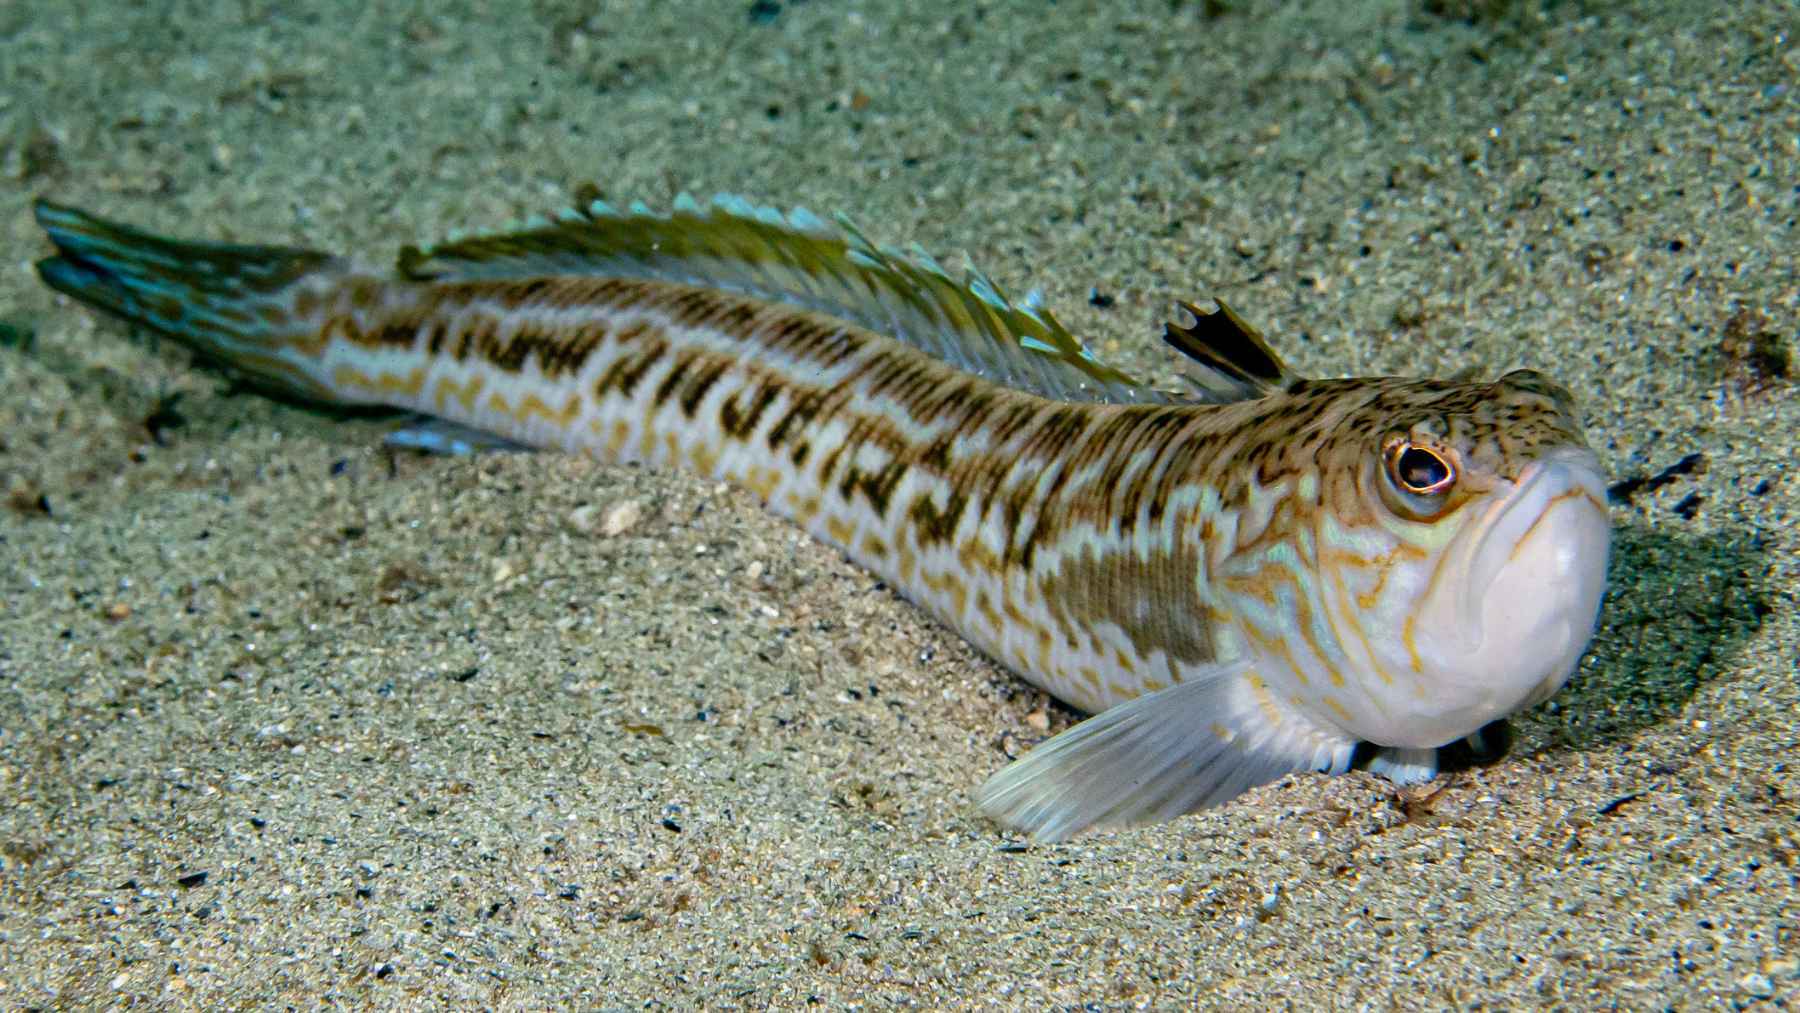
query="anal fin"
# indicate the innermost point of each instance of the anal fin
(431, 435)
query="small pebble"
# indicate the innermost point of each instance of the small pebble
(584, 519)
(1271, 900)
(1758, 985)
(621, 517)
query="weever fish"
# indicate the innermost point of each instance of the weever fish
(1243, 580)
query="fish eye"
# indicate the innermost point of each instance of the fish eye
(1419, 470)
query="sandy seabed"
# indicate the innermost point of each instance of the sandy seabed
(286, 718)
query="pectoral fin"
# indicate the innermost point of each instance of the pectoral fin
(1193, 745)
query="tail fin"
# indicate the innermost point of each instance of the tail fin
(231, 304)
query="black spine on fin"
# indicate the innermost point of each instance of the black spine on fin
(1229, 347)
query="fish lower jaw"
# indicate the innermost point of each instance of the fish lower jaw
(1431, 722)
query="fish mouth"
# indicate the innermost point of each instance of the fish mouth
(1536, 559)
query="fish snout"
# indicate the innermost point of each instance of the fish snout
(1510, 614)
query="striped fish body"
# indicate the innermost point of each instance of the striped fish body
(1105, 541)
(946, 485)
(958, 490)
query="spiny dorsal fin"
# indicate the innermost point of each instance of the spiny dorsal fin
(800, 259)
(1236, 363)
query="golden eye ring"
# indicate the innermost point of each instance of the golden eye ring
(1420, 470)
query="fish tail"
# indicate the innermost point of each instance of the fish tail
(231, 304)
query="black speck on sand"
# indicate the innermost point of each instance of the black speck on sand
(286, 720)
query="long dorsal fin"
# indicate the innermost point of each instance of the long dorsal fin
(800, 259)
(1235, 362)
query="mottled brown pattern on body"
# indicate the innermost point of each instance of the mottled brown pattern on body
(1332, 429)
(1154, 600)
(892, 454)
(740, 412)
(466, 320)
(1143, 453)
(639, 356)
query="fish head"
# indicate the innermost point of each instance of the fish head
(1475, 575)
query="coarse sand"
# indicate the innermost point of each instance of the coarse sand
(288, 718)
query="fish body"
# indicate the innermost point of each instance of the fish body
(1242, 581)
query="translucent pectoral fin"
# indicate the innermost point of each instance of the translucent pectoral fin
(1196, 744)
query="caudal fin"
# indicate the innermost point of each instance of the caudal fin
(231, 304)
